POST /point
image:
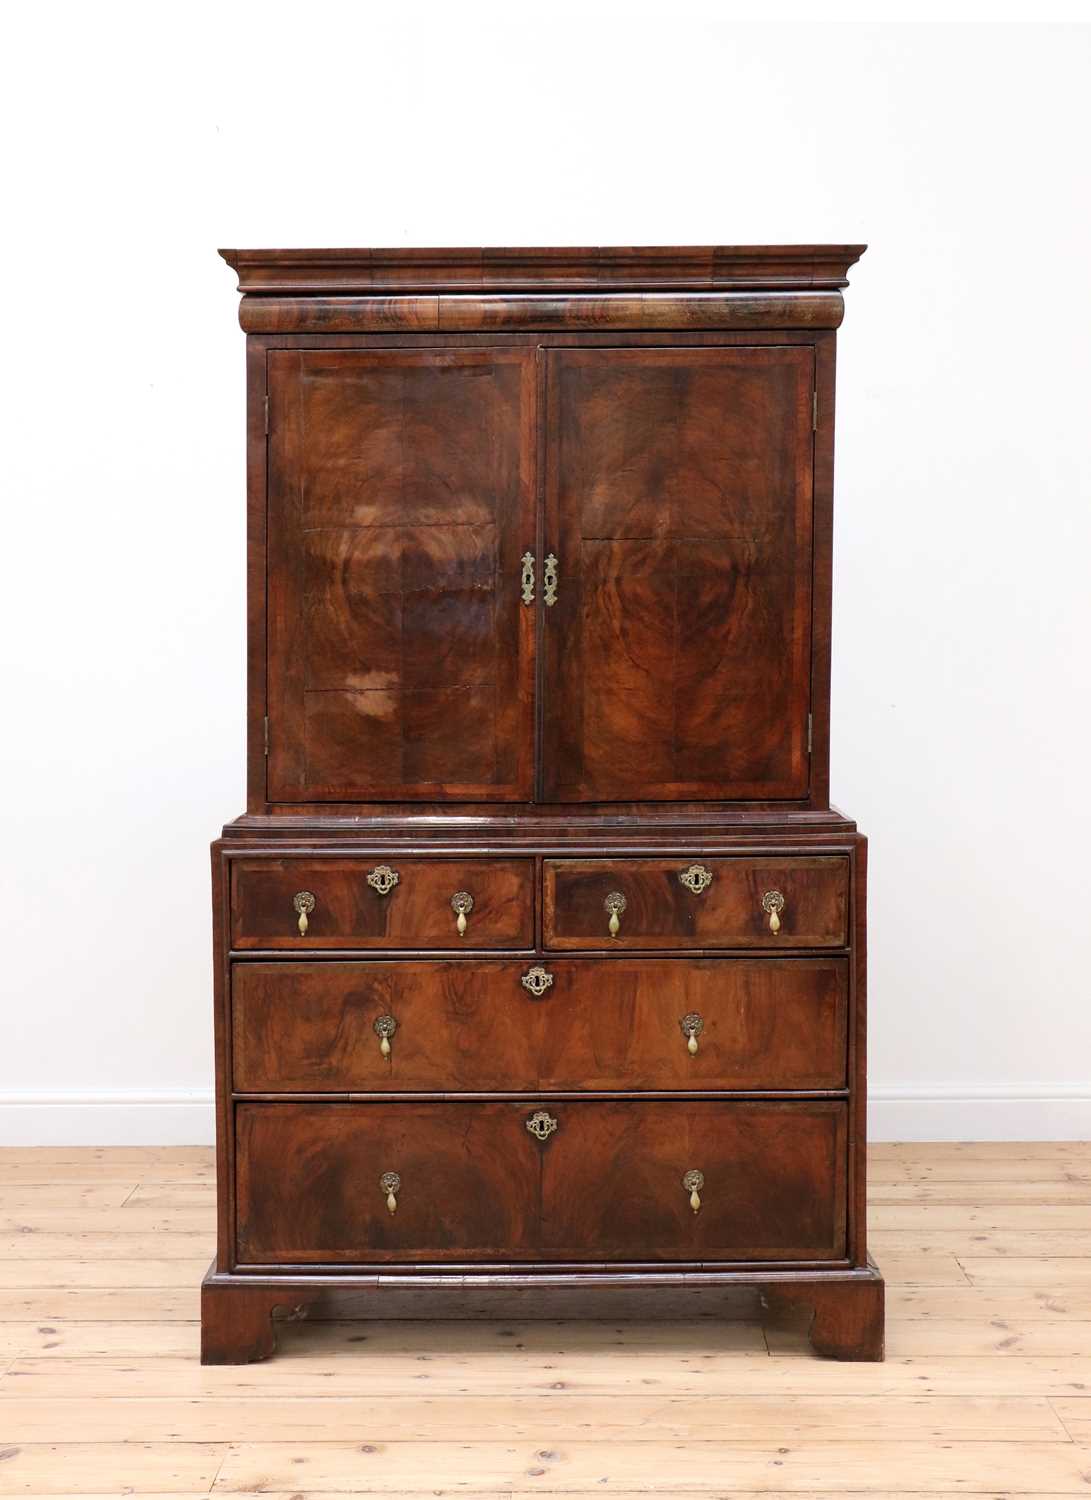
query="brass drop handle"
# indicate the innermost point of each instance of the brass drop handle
(391, 1185)
(303, 901)
(384, 1028)
(383, 879)
(614, 905)
(541, 1124)
(773, 903)
(462, 904)
(526, 580)
(693, 1182)
(536, 981)
(692, 1025)
(549, 580)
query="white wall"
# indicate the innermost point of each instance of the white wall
(141, 139)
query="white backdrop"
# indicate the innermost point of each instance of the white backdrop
(139, 139)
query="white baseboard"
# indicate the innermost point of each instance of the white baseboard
(973, 1112)
(184, 1117)
(152, 1117)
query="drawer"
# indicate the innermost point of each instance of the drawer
(501, 1025)
(759, 902)
(599, 1180)
(382, 903)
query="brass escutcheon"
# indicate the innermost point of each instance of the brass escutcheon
(526, 581)
(696, 879)
(383, 879)
(303, 901)
(549, 581)
(541, 1125)
(537, 981)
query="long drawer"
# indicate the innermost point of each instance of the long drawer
(688, 1180)
(493, 1025)
(737, 902)
(373, 903)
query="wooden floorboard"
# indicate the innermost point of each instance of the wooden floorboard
(986, 1390)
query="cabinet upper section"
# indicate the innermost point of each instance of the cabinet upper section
(538, 526)
(345, 291)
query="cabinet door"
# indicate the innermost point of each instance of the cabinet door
(679, 506)
(401, 498)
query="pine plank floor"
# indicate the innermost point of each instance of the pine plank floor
(986, 1389)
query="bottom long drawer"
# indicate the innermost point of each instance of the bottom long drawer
(593, 1180)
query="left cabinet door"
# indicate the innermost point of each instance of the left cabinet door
(401, 499)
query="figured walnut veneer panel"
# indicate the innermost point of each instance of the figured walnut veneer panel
(679, 501)
(350, 913)
(400, 501)
(470, 1024)
(660, 912)
(475, 1184)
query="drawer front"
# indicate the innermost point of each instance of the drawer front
(614, 1181)
(384, 902)
(309, 1182)
(498, 1025)
(597, 1181)
(767, 902)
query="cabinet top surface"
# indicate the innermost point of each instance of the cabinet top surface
(655, 267)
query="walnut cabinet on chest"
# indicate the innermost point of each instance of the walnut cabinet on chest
(539, 949)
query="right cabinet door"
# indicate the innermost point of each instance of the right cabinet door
(679, 509)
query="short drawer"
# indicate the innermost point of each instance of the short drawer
(680, 1180)
(498, 1025)
(739, 902)
(382, 903)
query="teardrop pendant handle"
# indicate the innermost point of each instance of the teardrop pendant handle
(303, 902)
(462, 904)
(773, 903)
(692, 1025)
(693, 1182)
(391, 1185)
(384, 1028)
(614, 905)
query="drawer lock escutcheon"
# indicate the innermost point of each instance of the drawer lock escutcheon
(536, 981)
(462, 904)
(696, 879)
(383, 879)
(773, 903)
(526, 578)
(303, 901)
(692, 1025)
(391, 1185)
(541, 1125)
(693, 1182)
(614, 905)
(384, 1028)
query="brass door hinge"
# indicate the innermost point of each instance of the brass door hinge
(810, 731)
(265, 727)
(814, 412)
(267, 416)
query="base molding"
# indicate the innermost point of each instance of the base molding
(847, 1305)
